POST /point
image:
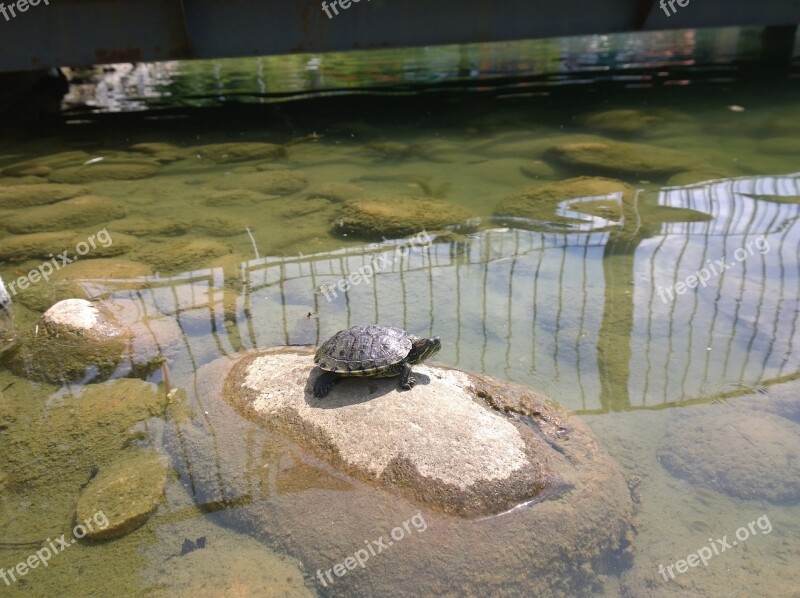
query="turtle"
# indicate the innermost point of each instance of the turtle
(371, 352)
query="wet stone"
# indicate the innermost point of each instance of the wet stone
(223, 153)
(617, 157)
(24, 196)
(127, 492)
(109, 169)
(74, 340)
(85, 210)
(268, 182)
(399, 216)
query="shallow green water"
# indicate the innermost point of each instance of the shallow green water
(582, 312)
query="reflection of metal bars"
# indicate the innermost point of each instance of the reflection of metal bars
(530, 306)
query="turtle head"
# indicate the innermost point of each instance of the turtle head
(422, 348)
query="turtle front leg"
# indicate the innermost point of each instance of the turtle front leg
(324, 383)
(406, 380)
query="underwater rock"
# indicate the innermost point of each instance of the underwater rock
(780, 145)
(399, 216)
(47, 245)
(58, 160)
(148, 227)
(78, 211)
(336, 192)
(222, 153)
(269, 182)
(538, 169)
(74, 340)
(179, 255)
(746, 454)
(127, 492)
(531, 146)
(618, 157)
(236, 197)
(28, 170)
(691, 177)
(160, 151)
(107, 169)
(24, 196)
(627, 121)
(539, 207)
(219, 225)
(239, 463)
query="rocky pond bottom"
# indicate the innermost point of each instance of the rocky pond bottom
(439, 479)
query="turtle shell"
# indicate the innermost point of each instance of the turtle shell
(364, 350)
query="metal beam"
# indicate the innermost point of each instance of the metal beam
(85, 32)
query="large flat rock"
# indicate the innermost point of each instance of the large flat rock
(283, 478)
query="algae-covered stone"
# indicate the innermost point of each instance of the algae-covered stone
(127, 492)
(626, 120)
(160, 151)
(148, 227)
(691, 177)
(74, 340)
(28, 170)
(219, 225)
(337, 192)
(222, 153)
(546, 206)
(617, 157)
(24, 196)
(47, 246)
(237, 197)
(268, 182)
(58, 160)
(108, 169)
(179, 255)
(750, 455)
(538, 169)
(78, 211)
(398, 216)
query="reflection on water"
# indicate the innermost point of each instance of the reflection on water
(586, 312)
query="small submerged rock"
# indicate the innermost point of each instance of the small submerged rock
(126, 492)
(545, 206)
(617, 157)
(48, 245)
(399, 216)
(336, 192)
(85, 210)
(268, 182)
(25, 196)
(181, 254)
(74, 340)
(106, 169)
(747, 454)
(223, 153)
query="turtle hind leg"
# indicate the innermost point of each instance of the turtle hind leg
(406, 379)
(324, 383)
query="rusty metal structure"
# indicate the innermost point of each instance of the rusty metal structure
(39, 34)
